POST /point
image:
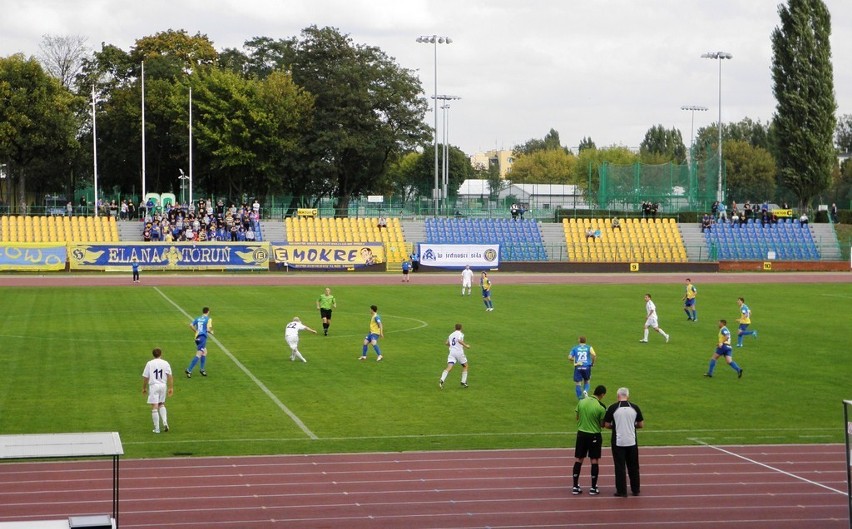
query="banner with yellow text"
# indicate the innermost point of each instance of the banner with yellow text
(33, 256)
(328, 255)
(170, 256)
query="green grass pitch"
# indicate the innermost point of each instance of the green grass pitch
(73, 357)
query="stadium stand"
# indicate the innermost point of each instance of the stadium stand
(58, 229)
(519, 240)
(788, 239)
(348, 231)
(637, 240)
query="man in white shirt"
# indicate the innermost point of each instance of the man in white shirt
(157, 383)
(651, 319)
(291, 336)
(467, 279)
(457, 346)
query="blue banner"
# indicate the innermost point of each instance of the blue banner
(33, 256)
(170, 256)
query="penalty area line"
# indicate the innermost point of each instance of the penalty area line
(249, 374)
(769, 467)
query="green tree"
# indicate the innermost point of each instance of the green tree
(843, 134)
(804, 89)
(367, 112)
(38, 127)
(190, 51)
(549, 142)
(259, 57)
(422, 176)
(661, 145)
(750, 172)
(586, 143)
(551, 166)
(248, 130)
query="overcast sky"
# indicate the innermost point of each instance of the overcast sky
(606, 69)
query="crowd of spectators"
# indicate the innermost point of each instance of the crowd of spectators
(649, 209)
(758, 213)
(201, 222)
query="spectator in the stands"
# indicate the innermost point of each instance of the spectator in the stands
(723, 212)
(735, 218)
(616, 224)
(746, 211)
(714, 209)
(383, 222)
(834, 213)
(590, 234)
(514, 210)
(706, 223)
(803, 220)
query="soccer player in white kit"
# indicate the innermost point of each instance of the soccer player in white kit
(157, 383)
(651, 319)
(291, 336)
(467, 279)
(457, 346)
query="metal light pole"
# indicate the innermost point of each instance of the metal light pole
(445, 181)
(183, 178)
(435, 40)
(692, 109)
(190, 144)
(144, 188)
(719, 55)
(95, 148)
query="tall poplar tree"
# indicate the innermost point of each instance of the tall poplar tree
(804, 89)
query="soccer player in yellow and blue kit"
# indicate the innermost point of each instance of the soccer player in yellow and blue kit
(745, 321)
(202, 326)
(583, 355)
(689, 301)
(485, 284)
(376, 332)
(724, 349)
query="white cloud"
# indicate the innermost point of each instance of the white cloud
(606, 69)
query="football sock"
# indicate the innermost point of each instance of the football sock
(364, 350)
(299, 355)
(376, 349)
(325, 326)
(594, 475)
(645, 336)
(155, 417)
(735, 367)
(164, 417)
(694, 314)
(712, 367)
(577, 466)
(444, 375)
(464, 377)
(203, 361)
(192, 364)
(688, 315)
(579, 390)
(586, 387)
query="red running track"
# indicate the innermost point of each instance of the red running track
(732, 487)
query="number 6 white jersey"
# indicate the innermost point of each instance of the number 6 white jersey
(456, 348)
